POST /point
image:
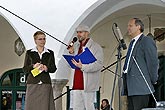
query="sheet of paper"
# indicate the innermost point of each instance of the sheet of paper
(36, 71)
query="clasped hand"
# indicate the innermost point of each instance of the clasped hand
(40, 66)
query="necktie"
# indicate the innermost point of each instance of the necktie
(128, 54)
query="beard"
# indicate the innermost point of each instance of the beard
(81, 38)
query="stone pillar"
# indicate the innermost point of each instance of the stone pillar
(58, 85)
(124, 103)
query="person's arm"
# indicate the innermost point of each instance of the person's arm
(151, 59)
(28, 66)
(51, 67)
(98, 64)
(71, 50)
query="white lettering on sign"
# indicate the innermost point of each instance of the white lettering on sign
(22, 79)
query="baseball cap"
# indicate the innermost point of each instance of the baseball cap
(83, 28)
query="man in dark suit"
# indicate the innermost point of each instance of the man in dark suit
(141, 60)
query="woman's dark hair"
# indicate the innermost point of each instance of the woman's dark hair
(106, 100)
(139, 22)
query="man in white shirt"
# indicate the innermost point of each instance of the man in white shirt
(144, 50)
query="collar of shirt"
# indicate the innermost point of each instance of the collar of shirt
(136, 38)
(35, 50)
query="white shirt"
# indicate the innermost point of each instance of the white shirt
(136, 39)
(40, 54)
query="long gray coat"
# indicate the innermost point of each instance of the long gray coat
(145, 53)
(92, 71)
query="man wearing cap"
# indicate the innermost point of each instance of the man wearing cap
(85, 80)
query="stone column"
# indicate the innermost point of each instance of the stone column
(58, 85)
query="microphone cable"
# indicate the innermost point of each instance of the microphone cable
(145, 80)
(32, 25)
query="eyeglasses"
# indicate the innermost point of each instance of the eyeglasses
(41, 39)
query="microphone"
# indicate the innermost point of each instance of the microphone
(73, 41)
(123, 44)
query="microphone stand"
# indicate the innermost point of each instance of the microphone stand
(107, 68)
(113, 72)
(62, 94)
(118, 70)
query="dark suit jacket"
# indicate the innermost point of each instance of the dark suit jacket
(145, 53)
(31, 58)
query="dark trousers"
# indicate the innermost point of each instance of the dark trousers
(138, 102)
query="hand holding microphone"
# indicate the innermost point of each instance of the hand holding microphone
(70, 46)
